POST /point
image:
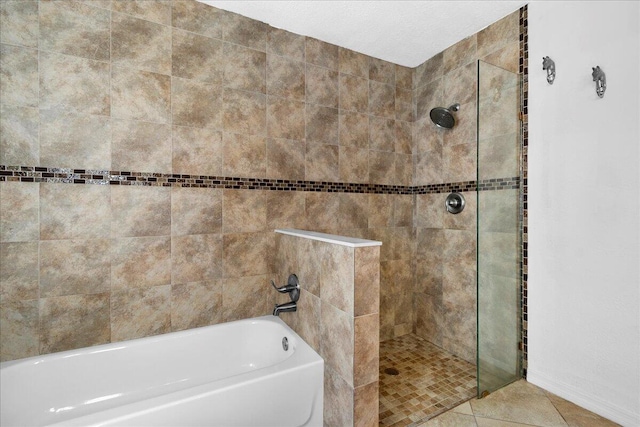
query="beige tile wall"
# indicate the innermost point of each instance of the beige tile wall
(179, 87)
(338, 315)
(445, 272)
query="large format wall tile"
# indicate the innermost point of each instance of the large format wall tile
(19, 271)
(19, 212)
(244, 31)
(138, 262)
(498, 34)
(246, 297)
(155, 11)
(354, 93)
(244, 68)
(444, 282)
(140, 146)
(196, 104)
(74, 321)
(321, 53)
(336, 277)
(366, 350)
(382, 134)
(244, 211)
(74, 212)
(354, 129)
(138, 313)
(198, 18)
(196, 258)
(285, 43)
(140, 44)
(75, 28)
(196, 57)
(337, 335)
(353, 63)
(382, 71)
(19, 129)
(196, 304)
(322, 124)
(353, 164)
(74, 267)
(382, 99)
(75, 84)
(285, 159)
(285, 118)
(19, 23)
(19, 328)
(322, 86)
(71, 140)
(460, 54)
(246, 254)
(19, 76)
(285, 210)
(195, 211)
(285, 77)
(139, 211)
(140, 95)
(322, 162)
(244, 155)
(197, 151)
(244, 112)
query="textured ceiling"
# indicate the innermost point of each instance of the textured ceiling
(402, 32)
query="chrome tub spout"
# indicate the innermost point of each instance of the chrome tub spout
(285, 308)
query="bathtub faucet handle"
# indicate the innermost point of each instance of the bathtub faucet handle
(292, 287)
(283, 289)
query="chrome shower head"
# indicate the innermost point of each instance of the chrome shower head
(443, 117)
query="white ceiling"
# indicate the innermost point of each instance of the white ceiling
(402, 32)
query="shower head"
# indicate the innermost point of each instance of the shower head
(443, 117)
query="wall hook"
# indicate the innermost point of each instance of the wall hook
(550, 66)
(600, 79)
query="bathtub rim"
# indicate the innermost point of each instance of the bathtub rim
(304, 356)
(151, 338)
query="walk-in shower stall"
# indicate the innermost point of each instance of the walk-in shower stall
(466, 340)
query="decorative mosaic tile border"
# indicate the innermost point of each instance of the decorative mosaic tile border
(524, 72)
(104, 177)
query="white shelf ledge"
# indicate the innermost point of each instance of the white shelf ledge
(329, 238)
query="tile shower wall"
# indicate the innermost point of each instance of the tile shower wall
(138, 89)
(338, 316)
(445, 262)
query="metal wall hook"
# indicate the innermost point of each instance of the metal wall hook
(601, 80)
(550, 66)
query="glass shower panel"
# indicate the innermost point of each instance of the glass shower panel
(498, 208)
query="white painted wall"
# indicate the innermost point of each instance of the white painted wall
(584, 206)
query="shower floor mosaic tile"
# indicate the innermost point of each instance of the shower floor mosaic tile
(428, 382)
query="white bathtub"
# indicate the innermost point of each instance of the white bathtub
(232, 374)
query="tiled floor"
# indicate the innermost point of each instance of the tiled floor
(518, 405)
(429, 381)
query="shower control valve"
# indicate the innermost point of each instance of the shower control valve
(454, 203)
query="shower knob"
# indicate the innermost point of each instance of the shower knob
(454, 203)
